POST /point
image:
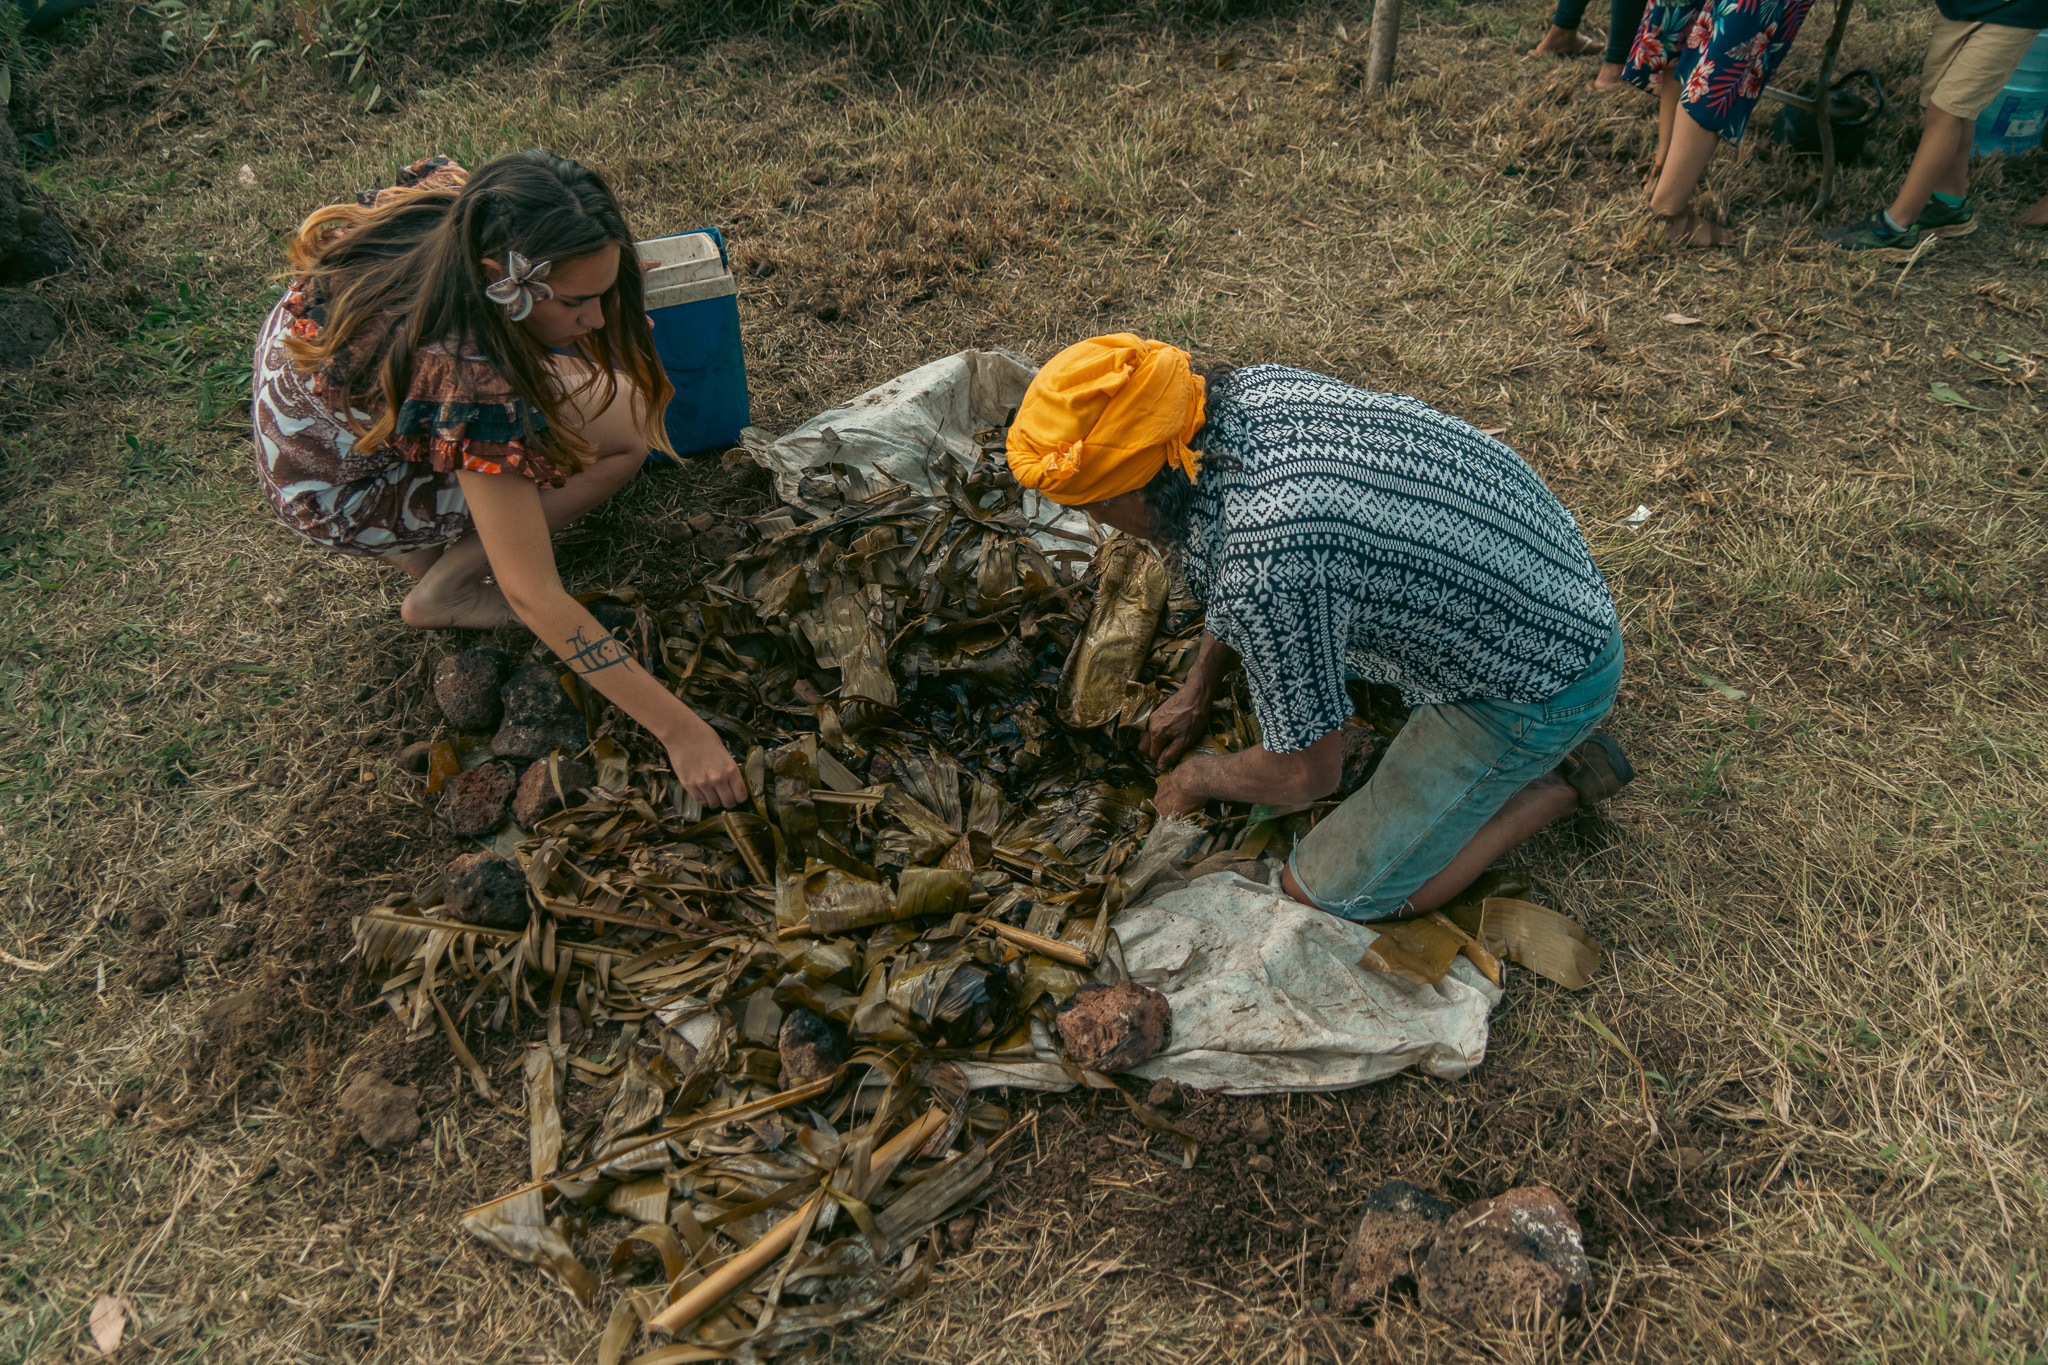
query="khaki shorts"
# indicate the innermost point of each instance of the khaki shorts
(1969, 63)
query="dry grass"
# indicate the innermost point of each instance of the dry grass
(1822, 902)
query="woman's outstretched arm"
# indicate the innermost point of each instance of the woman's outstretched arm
(514, 533)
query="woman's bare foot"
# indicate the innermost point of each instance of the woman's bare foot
(1690, 229)
(1567, 42)
(1610, 77)
(460, 605)
(2037, 216)
(415, 562)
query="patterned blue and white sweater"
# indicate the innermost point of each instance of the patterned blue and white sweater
(1337, 532)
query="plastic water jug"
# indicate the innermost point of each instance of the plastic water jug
(2012, 123)
(694, 303)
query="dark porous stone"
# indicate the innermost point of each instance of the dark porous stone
(466, 688)
(385, 1116)
(811, 1048)
(614, 616)
(1111, 1029)
(721, 543)
(539, 716)
(13, 195)
(28, 327)
(537, 799)
(475, 803)
(1395, 1231)
(483, 888)
(1518, 1259)
(42, 252)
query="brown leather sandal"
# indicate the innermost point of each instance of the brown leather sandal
(1597, 769)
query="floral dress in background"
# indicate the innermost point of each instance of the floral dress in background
(1724, 52)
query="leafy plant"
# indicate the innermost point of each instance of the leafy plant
(252, 35)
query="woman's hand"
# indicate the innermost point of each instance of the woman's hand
(1176, 723)
(706, 770)
(512, 528)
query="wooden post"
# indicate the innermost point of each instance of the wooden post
(1379, 57)
(1822, 98)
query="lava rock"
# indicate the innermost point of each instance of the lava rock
(1164, 1096)
(483, 888)
(466, 688)
(537, 800)
(721, 543)
(1111, 1029)
(811, 1047)
(157, 973)
(476, 802)
(385, 1116)
(615, 617)
(44, 251)
(13, 194)
(1395, 1231)
(539, 716)
(1518, 1258)
(28, 327)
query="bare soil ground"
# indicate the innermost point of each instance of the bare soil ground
(1800, 1113)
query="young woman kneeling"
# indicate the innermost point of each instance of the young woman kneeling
(461, 367)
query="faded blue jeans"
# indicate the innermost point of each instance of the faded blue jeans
(1444, 776)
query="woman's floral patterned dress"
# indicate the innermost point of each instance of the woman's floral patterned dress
(1724, 52)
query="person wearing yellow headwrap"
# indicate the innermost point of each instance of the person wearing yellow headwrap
(1105, 416)
(1334, 534)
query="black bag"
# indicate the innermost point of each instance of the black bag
(1848, 111)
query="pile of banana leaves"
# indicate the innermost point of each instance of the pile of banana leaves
(772, 1005)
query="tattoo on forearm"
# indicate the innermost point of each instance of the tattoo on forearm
(589, 656)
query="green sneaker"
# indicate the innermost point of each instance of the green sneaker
(1944, 221)
(1875, 236)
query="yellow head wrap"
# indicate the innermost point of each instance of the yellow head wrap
(1103, 417)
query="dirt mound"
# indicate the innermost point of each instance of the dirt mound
(385, 1116)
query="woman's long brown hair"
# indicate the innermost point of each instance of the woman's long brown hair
(410, 273)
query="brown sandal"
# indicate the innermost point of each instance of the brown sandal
(1597, 769)
(1691, 230)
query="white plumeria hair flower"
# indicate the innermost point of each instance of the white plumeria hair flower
(521, 286)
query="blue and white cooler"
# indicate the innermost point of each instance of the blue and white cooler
(693, 301)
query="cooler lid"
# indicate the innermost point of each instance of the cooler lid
(690, 266)
(685, 256)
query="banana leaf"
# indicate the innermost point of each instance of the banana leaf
(1130, 594)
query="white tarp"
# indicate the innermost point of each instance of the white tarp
(1268, 996)
(900, 429)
